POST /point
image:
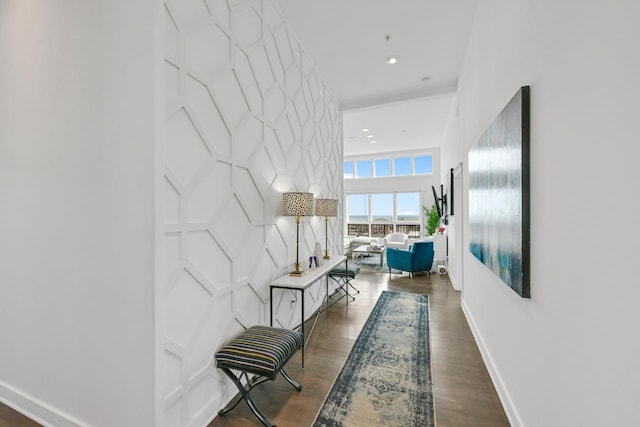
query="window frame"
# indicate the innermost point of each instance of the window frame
(392, 166)
(413, 228)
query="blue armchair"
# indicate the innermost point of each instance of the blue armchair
(419, 257)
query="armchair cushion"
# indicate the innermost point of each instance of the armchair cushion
(419, 257)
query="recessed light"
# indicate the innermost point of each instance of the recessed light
(372, 141)
(369, 136)
(392, 60)
(365, 130)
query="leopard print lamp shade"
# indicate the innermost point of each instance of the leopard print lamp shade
(326, 207)
(297, 204)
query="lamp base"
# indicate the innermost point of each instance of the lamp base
(297, 272)
(326, 257)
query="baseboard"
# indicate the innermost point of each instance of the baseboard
(37, 411)
(496, 378)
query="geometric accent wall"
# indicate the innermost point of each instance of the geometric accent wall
(247, 117)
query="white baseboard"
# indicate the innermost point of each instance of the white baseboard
(496, 378)
(37, 411)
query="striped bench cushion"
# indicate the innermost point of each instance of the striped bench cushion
(260, 350)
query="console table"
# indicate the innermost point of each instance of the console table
(300, 284)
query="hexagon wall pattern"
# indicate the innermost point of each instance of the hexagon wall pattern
(247, 118)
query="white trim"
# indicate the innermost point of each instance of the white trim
(34, 409)
(505, 398)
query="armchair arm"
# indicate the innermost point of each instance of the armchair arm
(399, 259)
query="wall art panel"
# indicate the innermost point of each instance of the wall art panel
(499, 195)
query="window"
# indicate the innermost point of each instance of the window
(402, 166)
(387, 167)
(382, 167)
(382, 207)
(348, 170)
(378, 214)
(422, 165)
(408, 207)
(363, 169)
(358, 207)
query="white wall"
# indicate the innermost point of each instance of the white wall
(247, 118)
(568, 355)
(76, 211)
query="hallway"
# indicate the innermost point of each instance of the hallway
(464, 393)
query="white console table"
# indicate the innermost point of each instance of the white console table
(300, 284)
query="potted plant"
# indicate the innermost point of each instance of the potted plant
(433, 219)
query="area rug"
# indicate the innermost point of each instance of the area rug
(372, 264)
(386, 380)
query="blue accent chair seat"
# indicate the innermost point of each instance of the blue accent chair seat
(418, 258)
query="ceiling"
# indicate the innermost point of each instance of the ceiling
(347, 41)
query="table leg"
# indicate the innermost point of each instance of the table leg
(346, 276)
(270, 306)
(302, 328)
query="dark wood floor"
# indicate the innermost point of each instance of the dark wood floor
(464, 394)
(11, 418)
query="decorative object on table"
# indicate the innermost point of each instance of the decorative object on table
(313, 262)
(297, 204)
(418, 258)
(386, 380)
(433, 219)
(499, 195)
(326, 208)
(317, 254)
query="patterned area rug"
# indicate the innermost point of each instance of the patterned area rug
(372, 263)
(386, 380)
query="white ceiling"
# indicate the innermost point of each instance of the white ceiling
(346, 40)
(401, 126)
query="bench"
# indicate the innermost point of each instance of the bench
(261, 351)
(343, 278)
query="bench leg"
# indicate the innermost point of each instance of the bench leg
(244, 394)
(290, 380)
(344, 283)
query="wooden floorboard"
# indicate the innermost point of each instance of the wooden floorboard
(463, 392)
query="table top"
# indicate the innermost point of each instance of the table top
(369, 250)
(310, 276)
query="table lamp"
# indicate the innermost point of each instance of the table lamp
(297, 204)
(326, 208)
